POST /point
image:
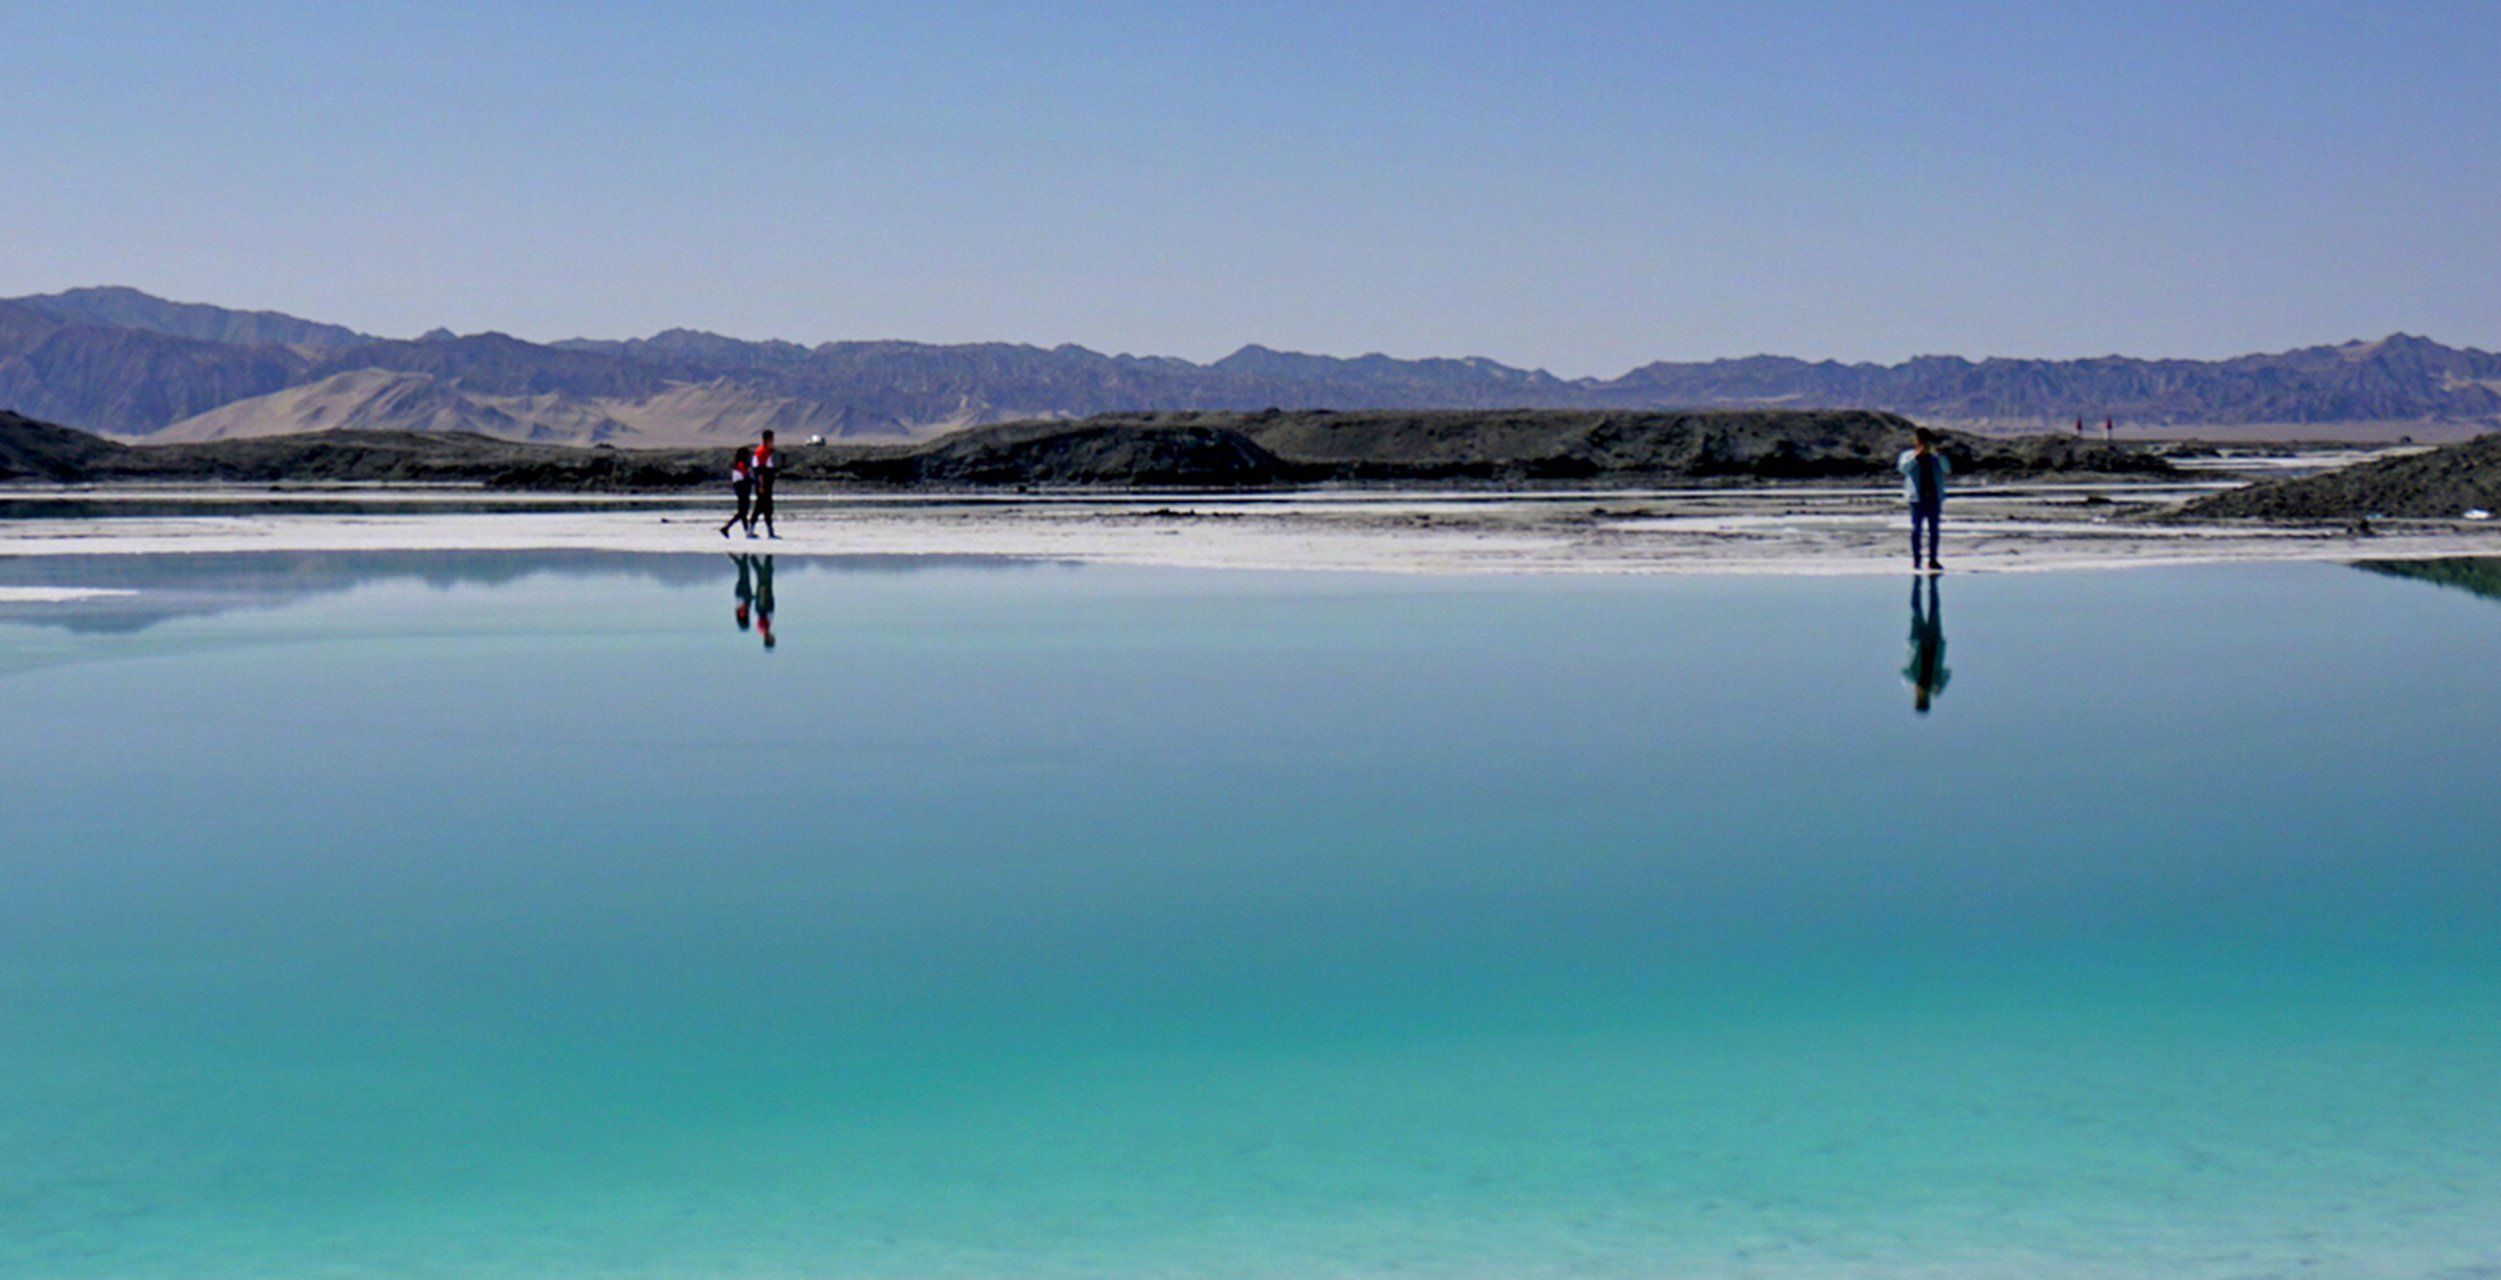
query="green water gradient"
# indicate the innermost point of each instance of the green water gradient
(499, 917)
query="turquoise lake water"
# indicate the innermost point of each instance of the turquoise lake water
(513, 915)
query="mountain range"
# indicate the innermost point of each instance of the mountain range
(124, 363)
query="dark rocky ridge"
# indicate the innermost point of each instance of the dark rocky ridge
(31, 450)
(1573, 445)
(2441, 484)
(1205, 450)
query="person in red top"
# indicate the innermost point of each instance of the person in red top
(768, 462)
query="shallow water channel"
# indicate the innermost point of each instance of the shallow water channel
(540, 915)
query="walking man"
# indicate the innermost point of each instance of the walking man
(768, 463)
(1923, 482)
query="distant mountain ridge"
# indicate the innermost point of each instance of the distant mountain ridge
(117, 306)
(119, 361)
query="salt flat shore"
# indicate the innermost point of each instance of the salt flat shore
(1788, 529)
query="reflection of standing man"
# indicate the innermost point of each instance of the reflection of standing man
(746, 590)
(768, 465)
(1923, 482)
(1926, 672)
(764, 598)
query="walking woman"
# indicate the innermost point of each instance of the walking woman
(742, 479)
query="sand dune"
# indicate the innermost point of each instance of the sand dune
(685, 415)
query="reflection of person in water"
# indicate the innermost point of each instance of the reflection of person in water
(746, 589)
(1926, 672)
(764, 598)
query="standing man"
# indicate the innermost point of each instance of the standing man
(768, 464)
(1923, 482)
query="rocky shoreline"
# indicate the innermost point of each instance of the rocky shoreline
(1522, 451)
(1219, 450)
(2448, 483)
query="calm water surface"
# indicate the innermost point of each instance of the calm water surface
(526, 915)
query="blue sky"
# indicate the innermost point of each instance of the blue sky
(1578, 186)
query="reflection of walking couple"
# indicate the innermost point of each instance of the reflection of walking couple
(755, 594)
(751, 473)
(1926, 673)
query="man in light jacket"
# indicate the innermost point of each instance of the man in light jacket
(1923, 482)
